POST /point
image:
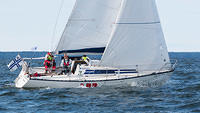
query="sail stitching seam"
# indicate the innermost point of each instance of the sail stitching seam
(141, 23)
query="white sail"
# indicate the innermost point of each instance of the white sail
(89, 27)
(137, 40)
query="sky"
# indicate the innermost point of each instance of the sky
(25, 24)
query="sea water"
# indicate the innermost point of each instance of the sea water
(180, 94)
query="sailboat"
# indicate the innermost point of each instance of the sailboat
(128, 35)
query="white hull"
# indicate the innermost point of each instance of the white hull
(76, 81)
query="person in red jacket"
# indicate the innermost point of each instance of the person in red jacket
(49, 62)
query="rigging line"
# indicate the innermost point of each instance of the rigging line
(55, 26)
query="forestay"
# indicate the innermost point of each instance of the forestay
(89, 26)
(137, 41)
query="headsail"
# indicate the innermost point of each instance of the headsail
(137, 39)
(89, 26)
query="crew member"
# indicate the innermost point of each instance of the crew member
(49, 62)
(86, 59)
(66, 64)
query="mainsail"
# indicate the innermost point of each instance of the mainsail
(137, 40)
(89, 26)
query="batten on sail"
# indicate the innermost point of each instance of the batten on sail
(138, 39)
(89, 26)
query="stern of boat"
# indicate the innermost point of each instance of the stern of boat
(23, 76)
(22, 79)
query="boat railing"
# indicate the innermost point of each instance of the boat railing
(174, 62)
(136, 69)
(144, 68)
(169, 66)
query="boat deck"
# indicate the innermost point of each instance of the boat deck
(39, 74)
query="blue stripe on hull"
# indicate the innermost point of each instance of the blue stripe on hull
(110, 71)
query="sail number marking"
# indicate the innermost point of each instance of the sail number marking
(89, 85)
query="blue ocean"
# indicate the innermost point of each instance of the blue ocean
(180, 94)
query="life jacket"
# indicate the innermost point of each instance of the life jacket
(85, 58)
(49, 58)
(66, 64)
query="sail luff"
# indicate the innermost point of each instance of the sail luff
(61, 42)
(114, 28)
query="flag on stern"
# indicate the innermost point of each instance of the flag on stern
(15, 63)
